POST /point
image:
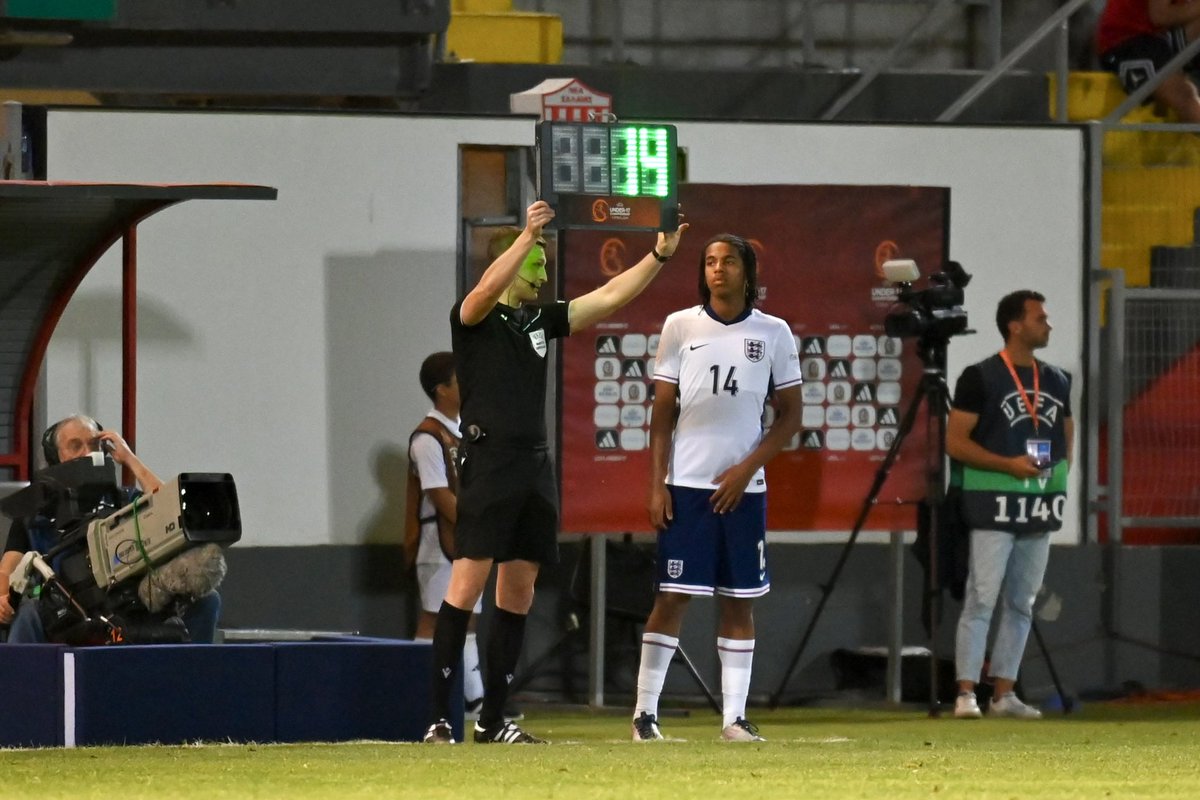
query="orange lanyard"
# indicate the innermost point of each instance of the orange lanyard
(1031, 408)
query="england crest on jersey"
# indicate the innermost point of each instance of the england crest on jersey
(674, 568)
(755, 349)
(538, 340)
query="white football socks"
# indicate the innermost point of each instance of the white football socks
(737, 657)
(657, 651)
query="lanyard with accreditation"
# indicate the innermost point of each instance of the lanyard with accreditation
(998, 501)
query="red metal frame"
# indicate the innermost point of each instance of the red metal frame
(21, 459)
(129, 342)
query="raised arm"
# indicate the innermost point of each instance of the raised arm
(597, 304)
(124, 456)
(500, 273)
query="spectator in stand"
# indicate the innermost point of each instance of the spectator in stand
(1137, 38)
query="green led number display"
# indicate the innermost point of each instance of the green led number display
(612, 175)
(627, 160)
(654, 170)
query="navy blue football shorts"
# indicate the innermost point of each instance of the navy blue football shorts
(702, 552)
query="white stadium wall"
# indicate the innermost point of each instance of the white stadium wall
(280, 341)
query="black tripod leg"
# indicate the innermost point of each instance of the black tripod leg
(682, 655)
(881, 474)
(565, 640)
(1067, 703)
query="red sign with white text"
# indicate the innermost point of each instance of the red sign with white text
(820, 251)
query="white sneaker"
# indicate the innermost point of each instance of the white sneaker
(741, 730)
(1011, 706)
(966, 706)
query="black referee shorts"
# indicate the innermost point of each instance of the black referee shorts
(507, 504)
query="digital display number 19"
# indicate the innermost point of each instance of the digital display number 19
(625, 160)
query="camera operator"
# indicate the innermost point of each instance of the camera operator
(1010, 435)
(71, 438)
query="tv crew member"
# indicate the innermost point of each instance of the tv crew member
(1010, 434)
(70, 438)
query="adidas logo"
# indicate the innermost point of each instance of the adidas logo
(839, 369)
(864, 394)
(888, 417)
(634, 369)
(606, 345)
(812, 440)
(814, 347)
(606, 440)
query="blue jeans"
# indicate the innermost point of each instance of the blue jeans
(1006, 567)
(200, 619)
(26, 627)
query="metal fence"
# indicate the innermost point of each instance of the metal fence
(1149, 421)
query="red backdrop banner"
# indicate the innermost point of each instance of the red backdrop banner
(820, 251)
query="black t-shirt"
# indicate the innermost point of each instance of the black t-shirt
(987, 389)
(501, 368)
(18, 537)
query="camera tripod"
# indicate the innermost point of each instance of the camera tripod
(934, 393)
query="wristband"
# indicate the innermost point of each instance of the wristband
(657, 257)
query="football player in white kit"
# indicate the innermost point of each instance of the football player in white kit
(719, 361)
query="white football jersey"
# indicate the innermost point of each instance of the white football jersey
(723, 371)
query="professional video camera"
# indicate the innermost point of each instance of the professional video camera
(112, 569)
(934, 314)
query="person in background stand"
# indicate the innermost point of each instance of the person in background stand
(1137, 38)
(1010, 436)
(508, 498)
(717, 364)
(432, 510)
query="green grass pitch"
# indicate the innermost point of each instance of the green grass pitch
(1103, 750)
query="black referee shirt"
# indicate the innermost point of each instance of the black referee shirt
(501, 368)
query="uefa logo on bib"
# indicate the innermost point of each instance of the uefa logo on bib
(674, 567)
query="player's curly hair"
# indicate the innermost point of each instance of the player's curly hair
(749, 263)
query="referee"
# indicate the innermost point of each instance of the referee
(508, 501)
